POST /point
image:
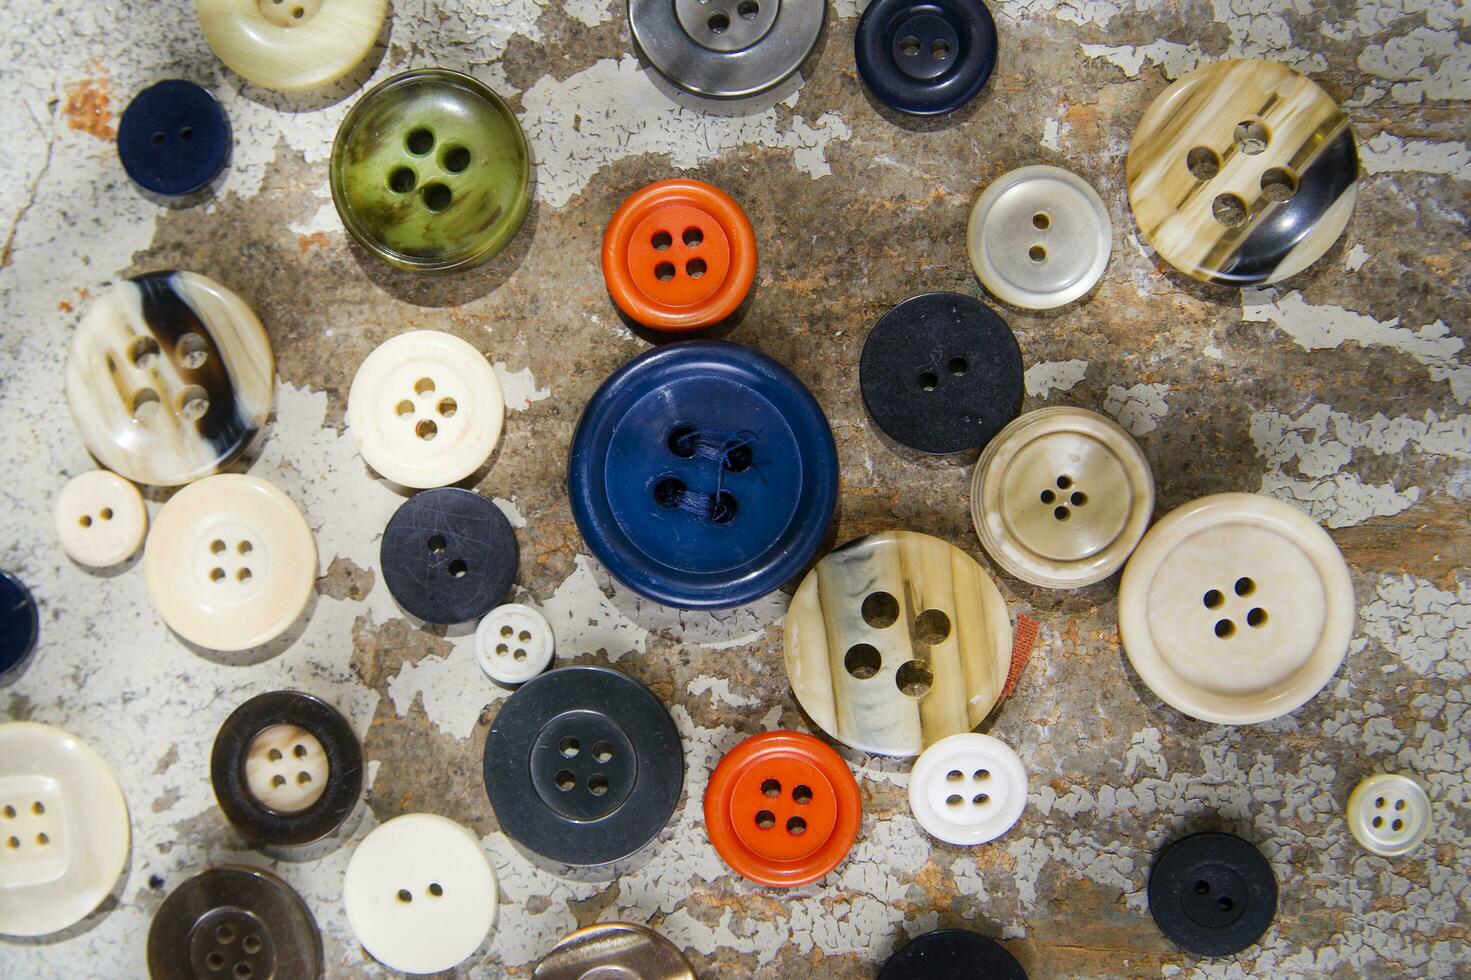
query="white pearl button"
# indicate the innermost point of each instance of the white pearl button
(425, 409)
(1389, 814)
(514, 643)
(968, 788)
(420, 893)
(100, 519)
(290, 45)
(286, 768)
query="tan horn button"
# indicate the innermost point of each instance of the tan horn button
(100, 519)
(614, 951)
(1236, 608)
(286, 768)
(1061, 497)
(897, 640)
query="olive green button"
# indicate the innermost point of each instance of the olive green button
(431, 172)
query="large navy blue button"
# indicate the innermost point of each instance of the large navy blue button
(925, 57)
(173, 138)
(19, 624)
(703, 475)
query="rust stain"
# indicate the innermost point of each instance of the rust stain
(87, 107)
(65, 307)
(318, 239)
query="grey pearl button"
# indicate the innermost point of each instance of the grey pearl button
(726, 49)
(726, 25)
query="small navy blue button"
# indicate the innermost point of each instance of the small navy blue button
(173, 138)
(925, 57)
(19, 624)
(703, 475)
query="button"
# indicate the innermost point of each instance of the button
(925, 57)
(514, 644)
(286, 768)
(1212, 894)
(1236, 608)
(1389, 814)
(941, 373)
(449, 555)
(703, 475)
(952, 954)
(726, 49)
(1039, 237)
(19, 625)
(63, 829)
(1242, 173)
(420, 893)
(895, 641)
(290, 45)
(236, 923)
(679, 255)
(100, 519)
(968, 789)
(583, 766)
(230, 562)
(431, 172)
(169, 378)
(782, 808)
(425, 409)
(173, 138)
(1061, 497)
(612, 950)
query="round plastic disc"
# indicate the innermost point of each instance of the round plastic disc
(925, 57)
(723, 48)
(449, 555)
(20, 624)
(614, 951)
(1389, 814)
(100, 519)
(290, 45)
(968, 788)
(1212, 894)
(952, 954)
(173, 138)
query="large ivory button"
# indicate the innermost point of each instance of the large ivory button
(100, 519)
(289, 45)
(1236, 608)
(1061, 497)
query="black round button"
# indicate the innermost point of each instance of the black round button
(19, 624)
(173, 138)
(952, 954)
(583, 766)
(1212, 894)
(941, 373)
(449, 556)
(925, 57)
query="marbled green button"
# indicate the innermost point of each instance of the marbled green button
(431, 172)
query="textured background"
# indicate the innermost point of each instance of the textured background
(1345, 391)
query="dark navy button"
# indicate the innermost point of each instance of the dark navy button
(925, 57)
(19, 624)
(952, 954)
(1212, 894)
(173, 138)
(449, 556)
(703, 475)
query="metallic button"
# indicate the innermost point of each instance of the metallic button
(614, 951)
(726, 49)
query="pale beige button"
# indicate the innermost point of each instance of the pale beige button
(289, 45)
(425, 409)
(1389, 814)
(100, 519)
(230, 562)
(1236, 608)
(286, 768)
(1061, 496)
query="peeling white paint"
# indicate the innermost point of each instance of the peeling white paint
(1045, 377)
(1356, 257)
(519, 388)
(720, 693)
(1387, 153)
(1428, 628)
(1137, 409)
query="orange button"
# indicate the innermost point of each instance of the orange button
(782, 808)
(679, 255)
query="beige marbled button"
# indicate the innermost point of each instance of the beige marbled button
(290, 45)
(897, 640)
(286, 768)
(100, 519)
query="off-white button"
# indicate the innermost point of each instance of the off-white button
(425, 409)
(230, 562)
(286, 768)
(1061, 496)
(100, 519)
(1389, 814)
(420, 893)
(968, 788)
(514, 643)
(1236, 608)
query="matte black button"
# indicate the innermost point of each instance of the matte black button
(19, 624)
(952, 954)
(173, 138)
(449, 556)
(1212, 894)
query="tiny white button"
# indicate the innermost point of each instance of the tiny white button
(286, 768)
(100, 519)
(1388, 814)
(968, 788)
(514, 643)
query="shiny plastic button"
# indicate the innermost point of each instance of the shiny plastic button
(613, 951)
(20, 624)
(968, 789)
(1212, 894)
(1061, 497)
(679, 255)
(925, 57)
(1242, 173)
(782, 808)
(169, 378)
(897, 640)
(514, 643)
(723, 48)
(425, 409)
(173, 138)
(1039, 237)
(1236, 608)
(63, 829)
(290, 45)
(952, 954)
(100, 519)
(230, 562)
(449, 555)
(1389, 814)
(431, 172)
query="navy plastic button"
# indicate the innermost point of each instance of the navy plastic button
(19, 624)
(449, 555)
(173, 138)
(703, 475)
(925, 57)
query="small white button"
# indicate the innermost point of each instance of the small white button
(100, 519)
(1389, 814)
(425, 409)
(286, 768)
(514, 643)
(420, 893)
(968, 788)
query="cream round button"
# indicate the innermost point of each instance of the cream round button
(1039, 237)
(100, 519)
(420, 894)
(1236, 608)
(230, 562)
(514, 643)
(1389, 814)
(425, 409)
(1060, 497)
(289, 45)
(968, 788)
(63, 829)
